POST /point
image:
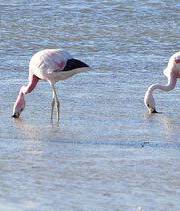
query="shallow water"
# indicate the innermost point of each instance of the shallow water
(107, 153)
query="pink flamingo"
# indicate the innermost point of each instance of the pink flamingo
(51, 65)
(172, 72)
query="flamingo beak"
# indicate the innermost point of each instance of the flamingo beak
(153, 111)
(16, 115)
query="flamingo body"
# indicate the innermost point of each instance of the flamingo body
(51, 65)
(172, 72)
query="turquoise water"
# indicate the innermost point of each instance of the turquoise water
(107, 153)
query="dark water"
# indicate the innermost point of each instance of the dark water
(107, 153)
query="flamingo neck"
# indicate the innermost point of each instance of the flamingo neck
(23, 91)
(168, 87)
(20, 99)
(26, 89)
(30, 87)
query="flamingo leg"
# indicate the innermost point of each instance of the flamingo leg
(55, 101)
(52, 108)
(58, 110)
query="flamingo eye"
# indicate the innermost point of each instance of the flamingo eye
(148, 105)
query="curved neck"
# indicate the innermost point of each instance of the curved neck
(29, 88)
(26, 89)
(168, 87)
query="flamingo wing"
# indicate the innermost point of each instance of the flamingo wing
(56, 60)
(50, 60)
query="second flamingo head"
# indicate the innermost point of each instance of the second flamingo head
(149, 102)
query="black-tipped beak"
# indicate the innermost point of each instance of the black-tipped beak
(15, 115)
(153, 111)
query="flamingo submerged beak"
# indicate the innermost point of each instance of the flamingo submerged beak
(16, 115)
(153, 111)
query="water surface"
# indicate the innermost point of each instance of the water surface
(107, 153)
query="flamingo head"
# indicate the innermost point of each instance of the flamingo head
(18, 106)
(149, 102)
